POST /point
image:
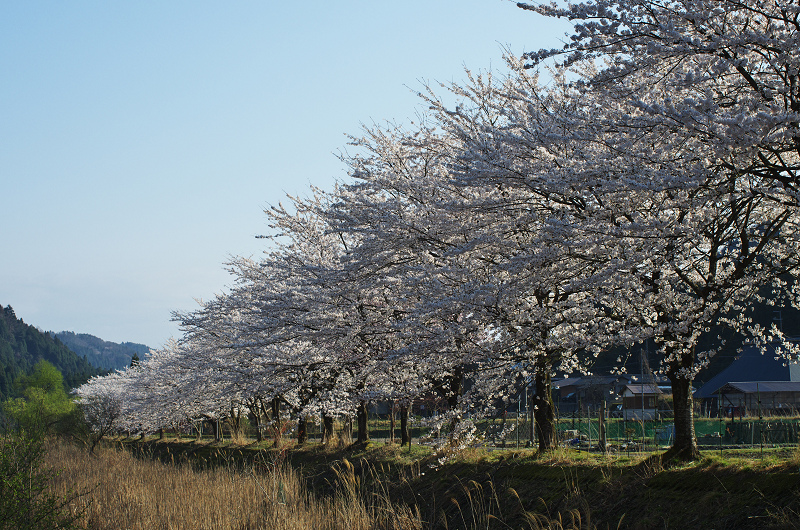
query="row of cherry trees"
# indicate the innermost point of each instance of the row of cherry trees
(639, 183)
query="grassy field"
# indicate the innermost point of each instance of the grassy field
(188, 484)
(122, 491)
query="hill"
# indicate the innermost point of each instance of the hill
(100, 353)
(22, 346)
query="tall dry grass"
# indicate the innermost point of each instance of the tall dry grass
(123, 492)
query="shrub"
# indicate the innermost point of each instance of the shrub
(24, 500)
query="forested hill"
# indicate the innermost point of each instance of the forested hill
(22, 346)
(101, 353)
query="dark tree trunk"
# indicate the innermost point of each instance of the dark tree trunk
(456, 388)
(215, 429)
(276, 421)
(451, 387)
(276, 407)
(257, 421)
(531, 419)
(544, 412)
(346, 434)
(405, 433)
(362, 417)
(161, 433)
(392, 422)
(235, 422)
(265, 413)
(302, 431)
(684, 445)
(327, 428)
(454, 394)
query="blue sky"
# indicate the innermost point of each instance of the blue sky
(141, 141)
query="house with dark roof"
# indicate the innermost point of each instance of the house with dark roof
(754, 381)
(640, 401)
(760, 398)
(579, 394)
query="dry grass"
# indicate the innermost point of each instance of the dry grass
(124, 492)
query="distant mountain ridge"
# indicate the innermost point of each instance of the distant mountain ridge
(101, 353)
(23, 345)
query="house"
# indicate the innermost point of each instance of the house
(640, 401)
(760, 398)
(578, 394)
(736, 385)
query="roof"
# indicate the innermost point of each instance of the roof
(590, 380)
(643, 389)
(569, 381)
(751, 365)
(752, 387)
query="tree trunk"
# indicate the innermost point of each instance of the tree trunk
(235, 422)
(265, 409)
(392, 422)
(327, 428)
(456, 389)
(214, 429)
(161, 433)
(276, 421)
(531, 418)
(684, 445)
(544, 412)
(302, 431)
(362, 417)
(405, 433)
(346, 434)
(257, 421)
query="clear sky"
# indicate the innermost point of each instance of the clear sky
(141, 141)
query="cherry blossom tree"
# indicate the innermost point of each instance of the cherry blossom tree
(492, 290)
(100, 401)
(714, 87)
(688, 236)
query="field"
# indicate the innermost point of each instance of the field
(187, 484)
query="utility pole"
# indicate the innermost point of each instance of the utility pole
(719, 415)
(760, 420)
(641, 389)
(602, 427)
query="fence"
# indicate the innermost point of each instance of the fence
(514, 430)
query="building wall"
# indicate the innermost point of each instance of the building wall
(639, 414)
(635, 402)
(794, 372)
